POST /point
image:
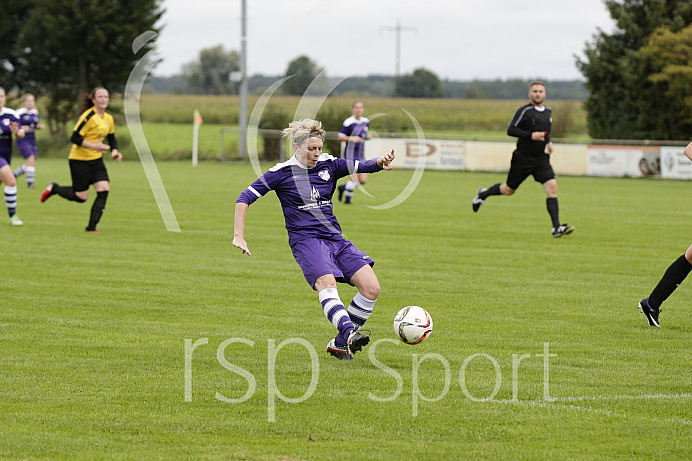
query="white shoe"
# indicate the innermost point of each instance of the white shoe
(15, 221)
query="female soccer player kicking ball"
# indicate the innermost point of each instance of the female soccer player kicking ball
(305, 185)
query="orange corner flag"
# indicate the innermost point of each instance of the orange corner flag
(197, 118)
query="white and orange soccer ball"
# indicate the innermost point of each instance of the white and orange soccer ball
(412, 324)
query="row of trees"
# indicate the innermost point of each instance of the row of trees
(640, 76)
(63, 48)
(383, 86)
(211, 73)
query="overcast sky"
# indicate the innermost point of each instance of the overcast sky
(455, 39)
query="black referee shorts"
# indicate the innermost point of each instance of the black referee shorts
(524, 165)
(87, 172)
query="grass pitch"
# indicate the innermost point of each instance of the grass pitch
(538, 350)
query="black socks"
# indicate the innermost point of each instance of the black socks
(673, 277)
(492, 190)
(66, 192)
(97, 210)
(554, 211)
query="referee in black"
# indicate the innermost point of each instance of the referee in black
(531, 125)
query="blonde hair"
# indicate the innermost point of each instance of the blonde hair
(300, 130)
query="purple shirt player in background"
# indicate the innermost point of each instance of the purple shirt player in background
(28, 119)
(354, 132)
(304, 185)
(9, 125)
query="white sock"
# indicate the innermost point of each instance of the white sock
(335, 311)
(11, 199)
(360, 309)
(20, 171)
(350, 187)
(30, 174)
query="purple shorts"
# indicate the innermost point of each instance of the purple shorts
(3, 162)
(27, 147)
(318, 257)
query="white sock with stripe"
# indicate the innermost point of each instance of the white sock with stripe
(360, 309)
(11, 200)
(336, 313)
(30, 174)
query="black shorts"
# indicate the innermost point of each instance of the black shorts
(524, 165)
(87, 172)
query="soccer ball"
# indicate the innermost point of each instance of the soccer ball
(412, 324)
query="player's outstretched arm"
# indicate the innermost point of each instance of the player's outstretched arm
(384, 161)
(239, 227)
(688, 151)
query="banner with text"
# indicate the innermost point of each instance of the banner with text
(439, 154)
(674, 163)
(623, 161)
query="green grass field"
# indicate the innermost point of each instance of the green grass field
(94, 328)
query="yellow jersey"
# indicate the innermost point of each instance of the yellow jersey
(93, 128)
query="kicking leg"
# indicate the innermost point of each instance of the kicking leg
(336, 313)
(672, 278)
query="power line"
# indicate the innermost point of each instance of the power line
(397, 51)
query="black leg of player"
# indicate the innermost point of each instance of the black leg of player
(97, 210)
(674, 275)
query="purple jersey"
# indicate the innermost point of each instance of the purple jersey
(7, 116)
(28, 117)
(306, 194)
(354, 127)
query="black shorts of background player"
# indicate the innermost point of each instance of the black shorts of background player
(531, 124)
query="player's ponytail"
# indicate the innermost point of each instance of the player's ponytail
(87, 102)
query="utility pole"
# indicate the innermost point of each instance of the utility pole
(242, 117)
(397, 50)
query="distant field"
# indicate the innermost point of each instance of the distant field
(458, 115)
(167, 121)
(538, 350)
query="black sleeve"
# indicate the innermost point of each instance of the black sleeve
(112, 141)
(513, 128)
(518, 132)
(76, 138)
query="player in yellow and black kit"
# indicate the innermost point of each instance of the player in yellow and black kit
(86, 156)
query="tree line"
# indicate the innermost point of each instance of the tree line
(638, 79)
(61, 49)
(209, 74)
(384, 86)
